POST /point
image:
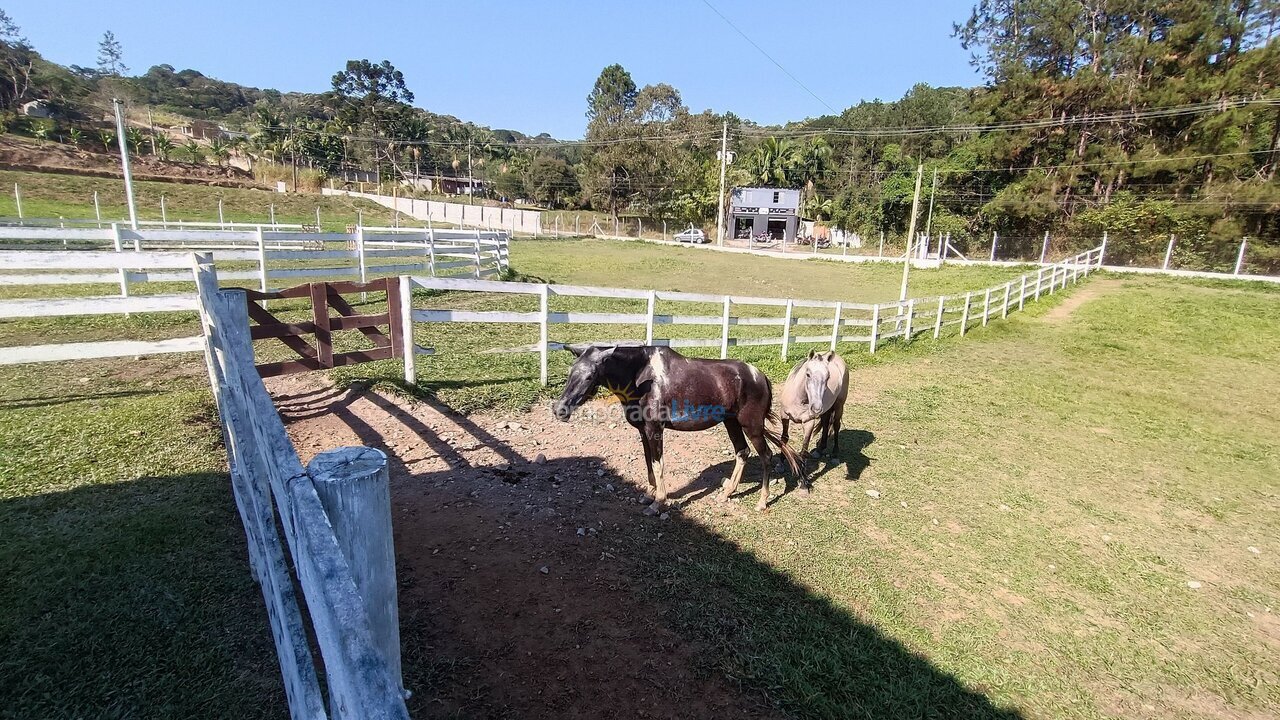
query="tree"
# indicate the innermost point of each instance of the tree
(550, 180)
(135, 138)
(194, 152)
(17, 60)
(773, 163)
(111, 56)
(613, 98)
(107, 139)
(164, 146)
(219, 150)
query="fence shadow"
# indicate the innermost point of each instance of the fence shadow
(117, 596)
(541, 591)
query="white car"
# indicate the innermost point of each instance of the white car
(693, 235)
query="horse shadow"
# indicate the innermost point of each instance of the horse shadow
(852, 456)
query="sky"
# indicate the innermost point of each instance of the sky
(528, 65)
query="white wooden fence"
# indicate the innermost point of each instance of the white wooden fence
(54, 268)
(872, 324)
(277, 255)
(335, 516)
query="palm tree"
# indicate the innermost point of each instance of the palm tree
(220, 151)
(773, 162)
(193, 151)
(164, 146)
(135, 138)
(812, 161)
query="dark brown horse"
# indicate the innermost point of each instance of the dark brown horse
(659, 388)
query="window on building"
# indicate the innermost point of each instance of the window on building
(777, 196)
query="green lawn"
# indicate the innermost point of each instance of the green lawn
(50, 195)
(1048, 488)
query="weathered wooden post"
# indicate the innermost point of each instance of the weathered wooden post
(994, 237)
(937, 323)
(164, 214)
(17, 199)
(1244, 242)
(360, 259)
(124, 272)
(97, 209)
(1022, 290)
(1004, 307)
(1168, 253)
(431, 246)
(353, 486)
(724, 330)
(911, 311)
(964, 315)
(1044, 248)
(477, 253)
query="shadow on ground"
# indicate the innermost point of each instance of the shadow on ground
(541, 591)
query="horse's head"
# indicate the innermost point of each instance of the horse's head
(584, 378)
(816, 374)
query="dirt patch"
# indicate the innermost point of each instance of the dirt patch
(1063, 310)
(55, 157)
(521, 582)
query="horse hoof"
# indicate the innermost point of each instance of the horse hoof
(804, 491)
(653, 509)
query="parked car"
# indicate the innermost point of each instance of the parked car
(693, 235)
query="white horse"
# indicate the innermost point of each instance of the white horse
(814, 395)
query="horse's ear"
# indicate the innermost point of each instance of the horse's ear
(812, 352)
(577, 350)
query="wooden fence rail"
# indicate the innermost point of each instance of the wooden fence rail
(278, 255)
(872, 324)
(335, 517)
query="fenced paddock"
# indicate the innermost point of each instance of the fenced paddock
(839, 322)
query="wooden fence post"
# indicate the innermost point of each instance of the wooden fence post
(431, 247)
(1004, 307)
(124, 272)
(937, 323)
(354, 490)
(648, 326)
(875, 326)
(986, 307)
(262, 261)
(911, 311)
(724, 330)
(477, 253)
(1044, 249)
(1039, 281)
(1168, 253)
(409, 348)
(1022, 290)
(543, 304)
(964, 315)
(786, 330)
(835, 327)
(364, 297)
(1244, 242)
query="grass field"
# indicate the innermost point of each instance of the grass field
(49, 195)
(1051, 487)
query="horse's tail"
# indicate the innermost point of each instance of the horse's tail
(791, 456)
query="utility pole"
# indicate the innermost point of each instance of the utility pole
(911, 231)
(124, 162)
(724, 160)
(928, 225)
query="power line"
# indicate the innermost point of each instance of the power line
(767, 55)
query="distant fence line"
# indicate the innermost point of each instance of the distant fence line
(908, 318)
(528, 222)
(278, 255)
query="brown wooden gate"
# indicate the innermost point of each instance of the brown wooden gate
(319, 354)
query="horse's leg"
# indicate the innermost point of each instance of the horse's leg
(809, 427)
(653, 431)
(786, 429)
(837, 417)
(648, 456)
(740, 453)
(824, 423)
(756, 434)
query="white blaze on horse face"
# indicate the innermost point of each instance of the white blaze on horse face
(816, 374)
